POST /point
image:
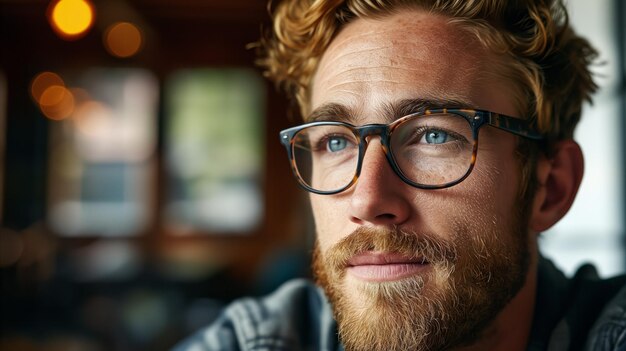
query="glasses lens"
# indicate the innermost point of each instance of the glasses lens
(326, 156)
(433, 149)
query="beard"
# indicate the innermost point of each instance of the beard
(468, 279)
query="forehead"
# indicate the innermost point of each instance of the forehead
(412, 32)
(413, 54)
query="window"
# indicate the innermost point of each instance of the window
(214, 150)
(101, 155)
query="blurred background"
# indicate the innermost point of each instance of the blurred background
(142, 184)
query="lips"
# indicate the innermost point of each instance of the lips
(382, 266)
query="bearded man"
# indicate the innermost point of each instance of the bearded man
(436, 146)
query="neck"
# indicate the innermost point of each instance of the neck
(510, 330)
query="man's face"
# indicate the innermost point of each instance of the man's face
(408, 268)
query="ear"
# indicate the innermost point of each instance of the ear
(558, 180)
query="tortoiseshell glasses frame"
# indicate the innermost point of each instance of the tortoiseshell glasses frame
(475, 118)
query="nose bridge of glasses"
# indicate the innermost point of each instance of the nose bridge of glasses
(366, 132)
(369, 130)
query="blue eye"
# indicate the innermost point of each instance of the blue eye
(436, 136)
(337, 144)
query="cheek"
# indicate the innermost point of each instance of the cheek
(486, 199)
(327, 213)
(495, 181)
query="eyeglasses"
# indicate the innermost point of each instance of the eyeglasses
(431, 149)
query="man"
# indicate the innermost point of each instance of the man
(437, 145)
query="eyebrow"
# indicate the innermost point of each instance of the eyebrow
(331, 112)
(390, 111)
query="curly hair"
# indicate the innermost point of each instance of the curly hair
(546, 60)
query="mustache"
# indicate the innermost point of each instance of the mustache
(414, 245)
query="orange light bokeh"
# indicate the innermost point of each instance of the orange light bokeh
(56, 102)
(43, 81)
(71, 19)
(54, 99)
(123, 39)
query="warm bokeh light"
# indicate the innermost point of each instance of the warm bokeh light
(54, 99)
(93, 118)
(71, 18)
(57, 102)
(123, 39)
(43, 81)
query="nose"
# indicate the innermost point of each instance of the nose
(379, 196)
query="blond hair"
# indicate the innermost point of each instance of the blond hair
(547, 61)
